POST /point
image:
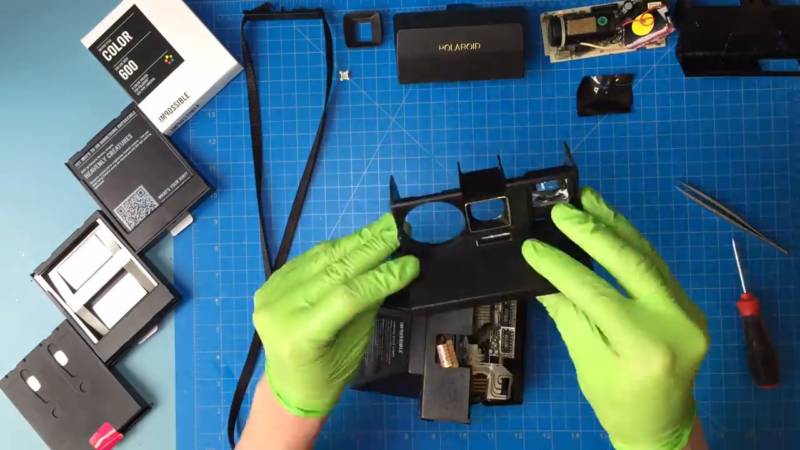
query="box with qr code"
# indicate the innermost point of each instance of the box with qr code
(139, 178)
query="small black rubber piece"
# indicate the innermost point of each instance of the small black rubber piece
(351, 21)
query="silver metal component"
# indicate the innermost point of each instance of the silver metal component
(474, 355)
(545, 198)
(492, 238)
(483, 315)
(500, 380)
(738, 265)
(721, 211)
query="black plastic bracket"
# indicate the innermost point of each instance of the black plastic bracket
(733, 40)
(351, 21)
(484, 263)
(265, 12)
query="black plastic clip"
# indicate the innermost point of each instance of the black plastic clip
(266, 12)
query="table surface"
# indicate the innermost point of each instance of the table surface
(54, 97)
(736, 139)
(47, 114)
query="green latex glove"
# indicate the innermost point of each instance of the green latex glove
(637, 355)
(315, 314)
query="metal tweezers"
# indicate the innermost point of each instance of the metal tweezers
(725, 214)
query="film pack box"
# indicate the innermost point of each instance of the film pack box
(164, 57)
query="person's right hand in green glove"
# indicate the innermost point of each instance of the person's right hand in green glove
(636, 355)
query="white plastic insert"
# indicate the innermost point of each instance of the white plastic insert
(33, 383)
(98, 283)
(61, 358)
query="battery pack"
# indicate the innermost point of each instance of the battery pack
(164, 57)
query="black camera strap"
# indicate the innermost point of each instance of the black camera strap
(265, 13)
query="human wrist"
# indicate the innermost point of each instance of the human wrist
(289, 400)
(697, 440)
(678, 438)
(271, 426)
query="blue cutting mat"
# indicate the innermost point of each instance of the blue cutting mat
(737, 139)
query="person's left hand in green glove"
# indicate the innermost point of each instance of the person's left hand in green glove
(315, 317)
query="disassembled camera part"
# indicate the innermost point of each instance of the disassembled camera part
(498, 380)
(483, 265)
(754, 39)
(606, 29)
(351, 23)
(455, 359)
(605, 94)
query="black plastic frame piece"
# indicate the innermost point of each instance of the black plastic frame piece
(484, 264)
(731, 40)
(138, 321)
(77, 393)
(180, 194)
(351, 21)
(605, 94)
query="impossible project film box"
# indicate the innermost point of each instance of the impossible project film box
(164, 57)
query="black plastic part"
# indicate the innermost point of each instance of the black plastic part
(484, 264)
(392, 362)
(605, 94)
(460, 44)
(138, 322)
(130, 154)
(446, 392)
(351, 21)
(732, 40)
(762, 361)
(74, 400)
(554, 32)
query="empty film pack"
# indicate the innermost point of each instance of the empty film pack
(108, 293)
(164, 57)
(71, 399)
(138, 177)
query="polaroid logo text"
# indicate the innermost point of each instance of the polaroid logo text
(460, 47)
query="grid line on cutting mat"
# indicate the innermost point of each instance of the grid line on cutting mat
(736, 139)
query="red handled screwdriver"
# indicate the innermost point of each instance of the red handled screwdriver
(761, 357)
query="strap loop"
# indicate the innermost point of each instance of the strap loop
(266, 13)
